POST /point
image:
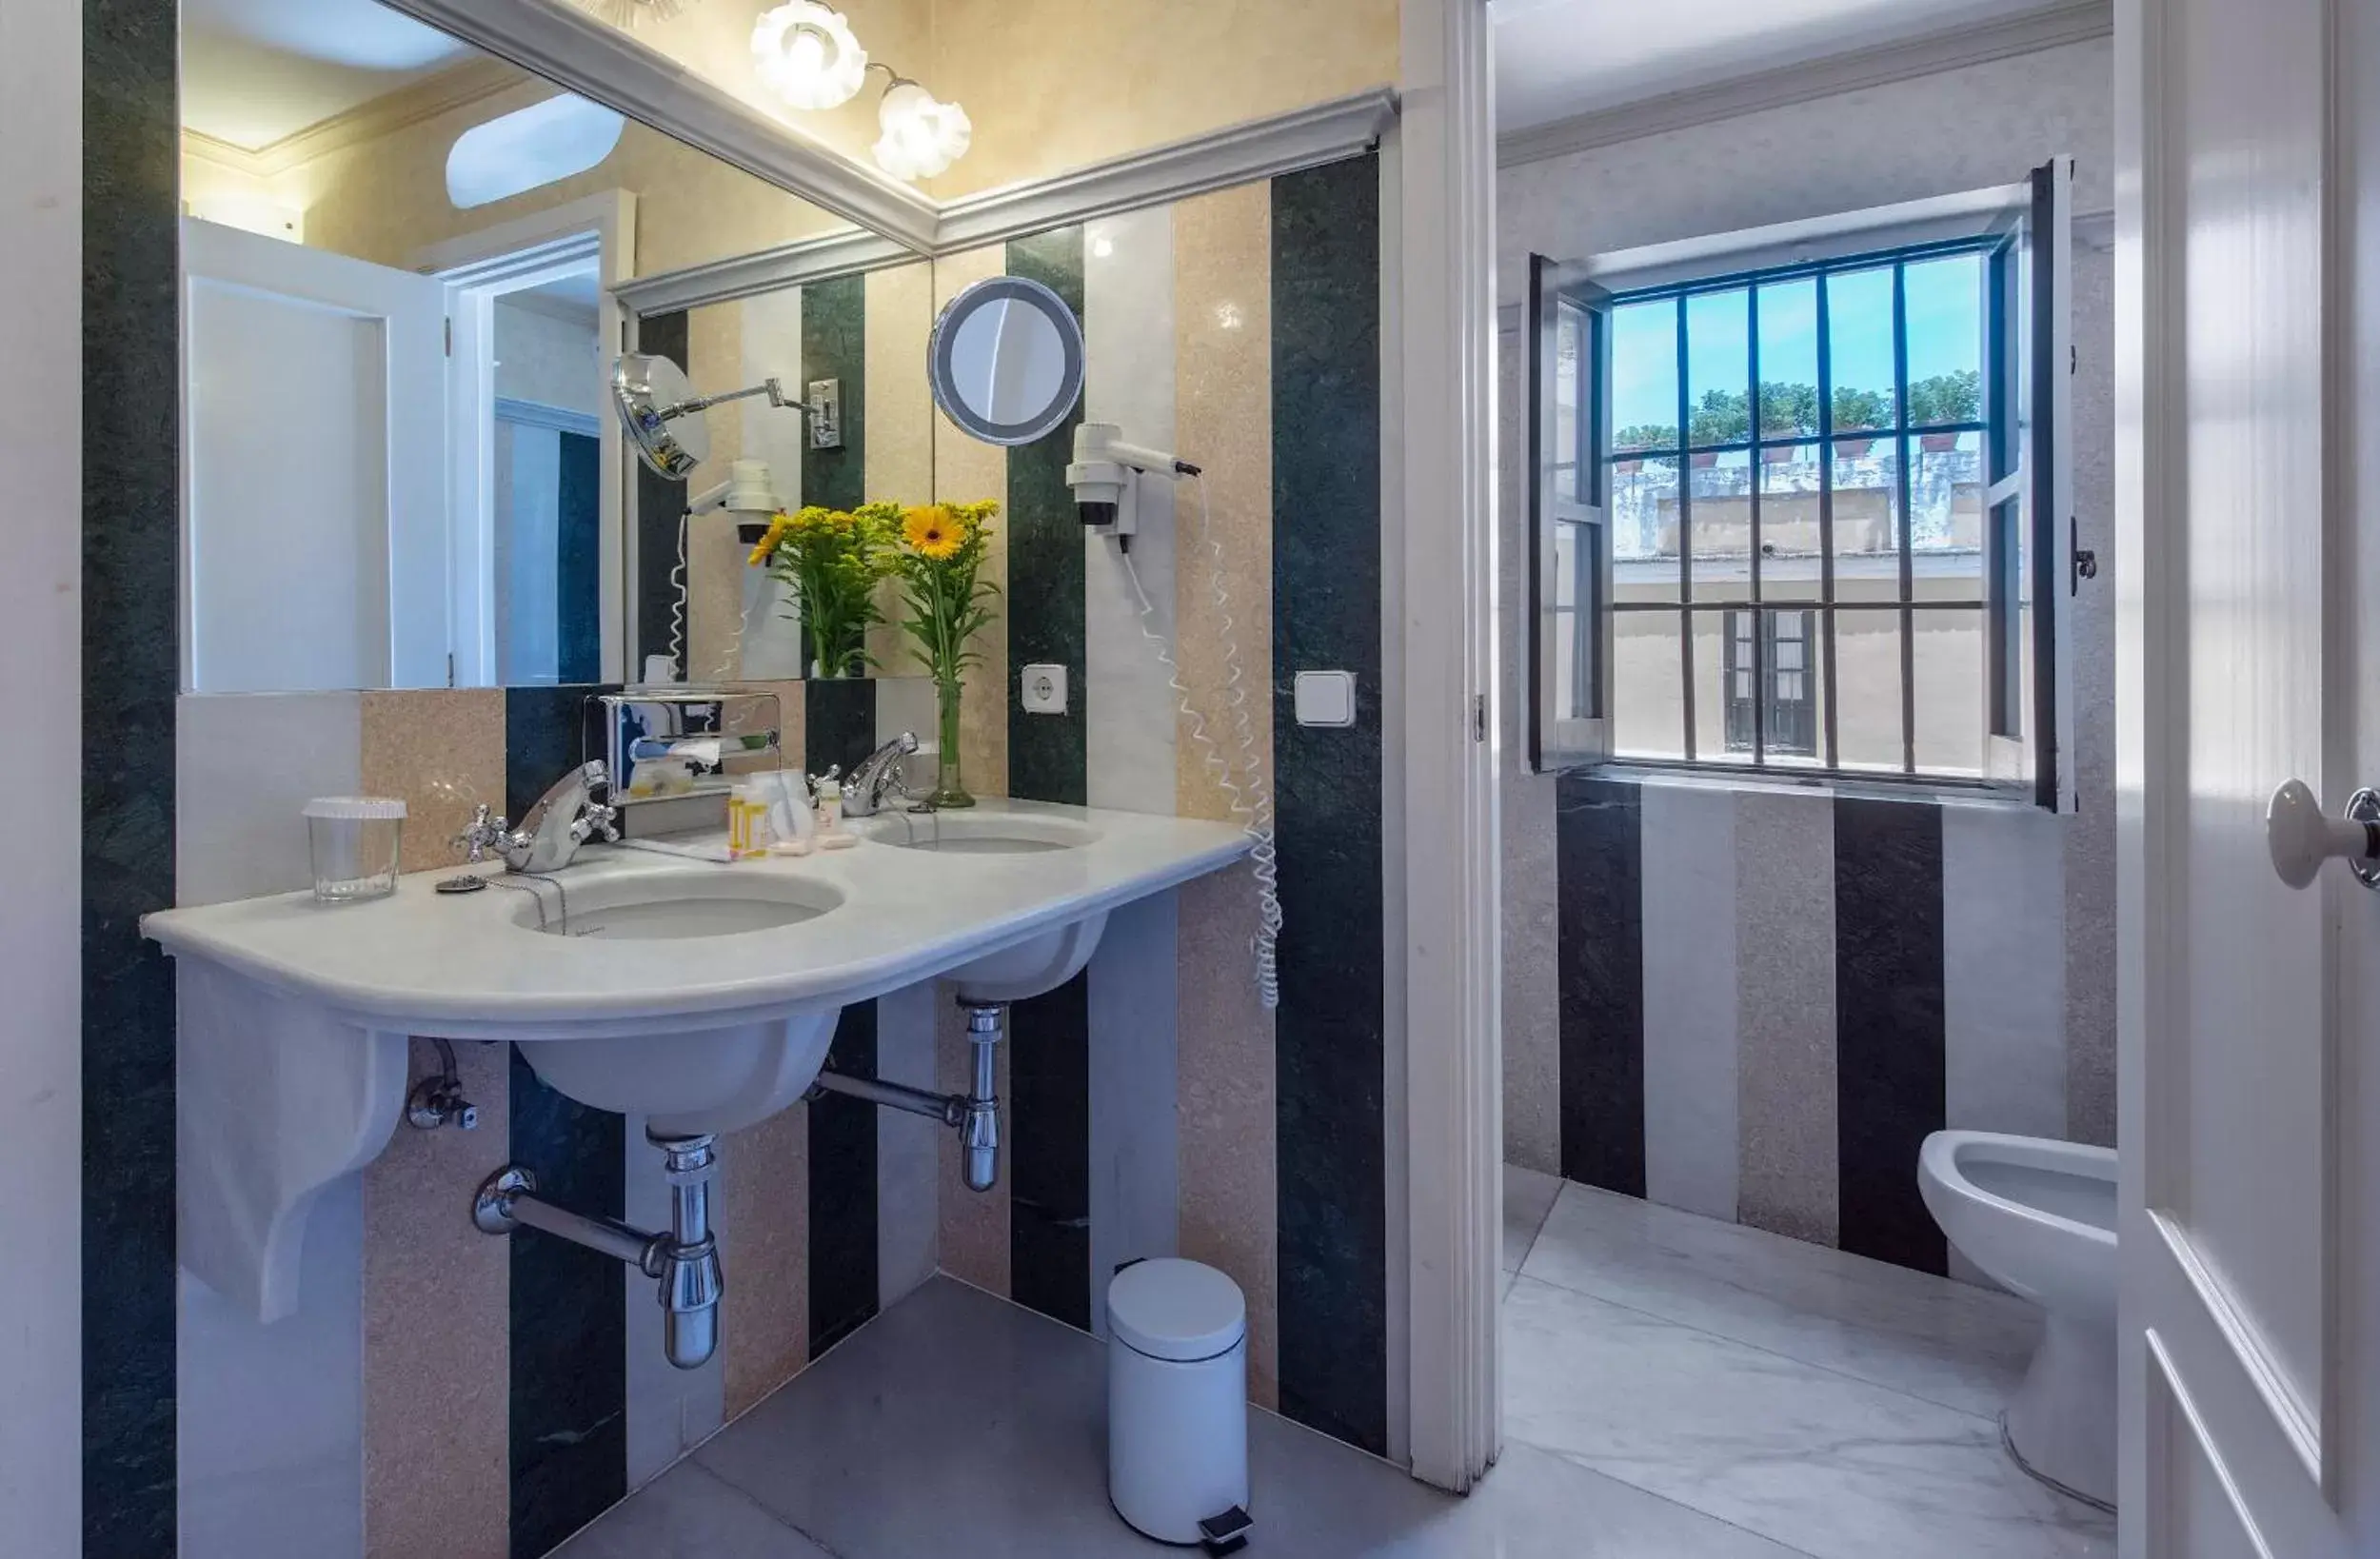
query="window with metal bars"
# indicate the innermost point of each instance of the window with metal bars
(1795, 515)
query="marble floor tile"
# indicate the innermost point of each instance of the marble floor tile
(1528, 1197)
(1835, 1467)
(957, 1422)
(687, 1513)
(1948, 1342)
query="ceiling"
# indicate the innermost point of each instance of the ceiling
(254, 71)
(574, 297)
(1557, 58)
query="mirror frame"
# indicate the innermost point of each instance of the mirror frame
(944, 342)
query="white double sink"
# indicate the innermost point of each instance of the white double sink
(700, 997)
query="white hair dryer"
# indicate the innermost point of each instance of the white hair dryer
(1104, 478)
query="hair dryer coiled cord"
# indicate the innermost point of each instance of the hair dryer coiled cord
(1238, 773)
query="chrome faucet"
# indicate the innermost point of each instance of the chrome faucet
(565, 818)
(863, 793)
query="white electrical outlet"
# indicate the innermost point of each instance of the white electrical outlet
(1043, 690)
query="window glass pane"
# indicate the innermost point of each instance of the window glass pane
(1948, 669)
(1867, 531)
(1790, 537)
(1573, 588)
(1946, 516)
(1945, 310)
(1859, 347)
(1644, 376)
(1718, 366)
(1720, 519)
(1648, 696)
(1716, 713)
(1570, 352)
(1644, 529)
(1789, 358)
(1868, 688)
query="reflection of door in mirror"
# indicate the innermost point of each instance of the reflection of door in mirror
(372, 502)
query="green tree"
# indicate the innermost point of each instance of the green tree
(1858, 410)
(1947, 397)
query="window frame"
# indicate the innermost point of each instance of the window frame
(2019, 468)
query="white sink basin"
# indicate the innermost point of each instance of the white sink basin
(702, 997)
(976, 834)
(678, 905)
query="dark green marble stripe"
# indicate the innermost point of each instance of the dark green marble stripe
(834, 346)
(579, 656)
(1330, 1037)
(838, 723)
(659, 505)
(568, 1309)
(1049, 1154)
(843, 1251)
(131, 670)
(1046, 759)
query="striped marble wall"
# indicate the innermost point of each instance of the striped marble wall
(1767, 998)
(441, 1390)
(484, 1399)
(1156, 1107)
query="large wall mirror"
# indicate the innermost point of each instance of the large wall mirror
(405, 264)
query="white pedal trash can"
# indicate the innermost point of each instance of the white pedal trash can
(1178, 1403)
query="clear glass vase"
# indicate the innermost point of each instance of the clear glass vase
(950, 789)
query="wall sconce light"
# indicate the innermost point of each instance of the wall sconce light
(624, 14)
(806, 54)
(922, 136)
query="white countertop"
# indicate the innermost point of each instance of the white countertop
(464, 966)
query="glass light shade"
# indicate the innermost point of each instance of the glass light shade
(806, 54)
(921, 137)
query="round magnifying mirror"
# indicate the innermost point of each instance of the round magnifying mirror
(1006, 360)
(646, 389)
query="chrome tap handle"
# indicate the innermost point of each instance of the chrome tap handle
(486, 832)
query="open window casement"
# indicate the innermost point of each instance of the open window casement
(1570, 552)
(2031, 568)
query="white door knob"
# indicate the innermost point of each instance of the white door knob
(2301, 836)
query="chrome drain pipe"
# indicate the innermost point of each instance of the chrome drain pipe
(683, 1261)
(974, 1114)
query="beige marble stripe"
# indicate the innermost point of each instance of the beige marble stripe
(792, 719)
(898, 432)
(974, 1224)
(442, 751)
(437, 1348)
(966, 470)
(1223, 420)
(714, 558)
(764, 1247)
(1790, 1173)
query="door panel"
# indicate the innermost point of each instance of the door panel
(2236, 673)
(315, 469)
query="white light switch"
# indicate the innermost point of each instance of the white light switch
(1326, 697)
(1044, 690)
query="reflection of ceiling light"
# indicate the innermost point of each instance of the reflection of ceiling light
(627, 13)
(808, 56)
(922, 137)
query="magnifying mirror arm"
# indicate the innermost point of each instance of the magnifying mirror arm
(773, 388)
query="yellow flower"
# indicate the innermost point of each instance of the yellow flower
(934, 532)
(776, 533)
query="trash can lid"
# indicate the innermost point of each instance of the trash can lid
(1171, 1309)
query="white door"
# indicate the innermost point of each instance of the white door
(315, 521)
(2249, 1385)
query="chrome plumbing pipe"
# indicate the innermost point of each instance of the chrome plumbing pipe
(974, 1114)
(685, 1261)
(981, 1127)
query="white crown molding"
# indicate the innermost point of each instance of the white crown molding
(1978, 44)
(570, 48)
(769, 270)
(1259, 149)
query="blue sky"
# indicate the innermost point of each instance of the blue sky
(1945, 334)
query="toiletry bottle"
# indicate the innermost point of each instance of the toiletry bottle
(830, 829)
